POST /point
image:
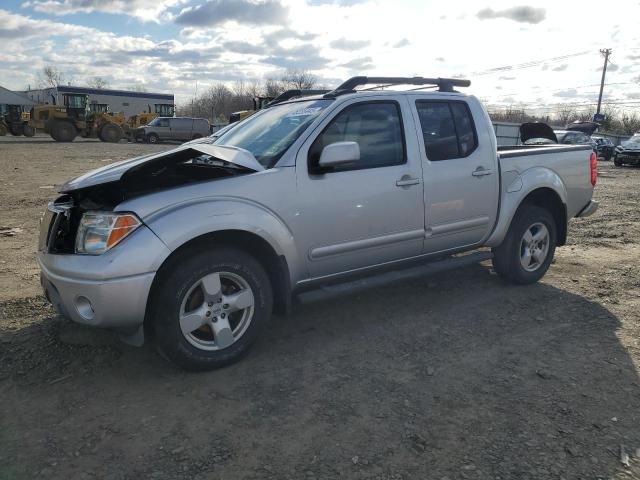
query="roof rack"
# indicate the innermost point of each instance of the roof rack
(443, 84)
(289, 94)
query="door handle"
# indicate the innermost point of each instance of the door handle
(407, 181)
(481, 172)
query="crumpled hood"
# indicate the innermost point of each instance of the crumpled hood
(115, 171)
(629, 145)
(588, 128)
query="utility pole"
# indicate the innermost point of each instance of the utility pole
(606, 52)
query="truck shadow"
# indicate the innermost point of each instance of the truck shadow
(455, 375)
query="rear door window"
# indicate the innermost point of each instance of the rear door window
(447, 129)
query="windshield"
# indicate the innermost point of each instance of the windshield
(269, 133)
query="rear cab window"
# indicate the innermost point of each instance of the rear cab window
(448, 129)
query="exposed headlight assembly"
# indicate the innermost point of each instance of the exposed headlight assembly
(100, 231)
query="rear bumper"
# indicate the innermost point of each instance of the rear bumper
(589, 210)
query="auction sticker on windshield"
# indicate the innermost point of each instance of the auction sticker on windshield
(303, 112)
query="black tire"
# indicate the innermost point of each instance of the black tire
(616, 161)
(196, 136)
(16, 130)
(507, 257)
(176, 285)
(62, 131)
(3, 129)
(111, 133)
(28, 131)
(153, 138)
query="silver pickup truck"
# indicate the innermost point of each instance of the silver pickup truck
(195, 247)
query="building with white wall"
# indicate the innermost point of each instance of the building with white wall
(125, 101)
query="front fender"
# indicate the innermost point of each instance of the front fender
(179, 223)
(515, 187)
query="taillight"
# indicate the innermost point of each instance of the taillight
(594, 168)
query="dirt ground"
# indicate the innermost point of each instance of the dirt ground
(454, 376)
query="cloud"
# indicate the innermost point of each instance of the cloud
(506, 78)
(217, 12)
(440, 59)
(363, 63)
(402, 43)
(521, 14)
(14, 26)
(345, 44)
(144, 9)
(303, 56)
(567, 93)
(560, 68)
(341, 3)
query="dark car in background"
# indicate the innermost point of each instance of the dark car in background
(604, 148)
(628, 152)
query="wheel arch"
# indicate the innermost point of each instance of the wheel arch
(540, 187)
(274, 264)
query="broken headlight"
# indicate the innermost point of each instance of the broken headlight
(98, 231)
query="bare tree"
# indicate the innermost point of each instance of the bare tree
(630, 122)
(565, 114)
(299, 79)
(50, 77)
(98, 82)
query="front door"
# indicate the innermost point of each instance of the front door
(460, 174)
(370, 212)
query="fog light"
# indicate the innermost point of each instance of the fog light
(84, 307)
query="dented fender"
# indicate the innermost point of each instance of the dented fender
(182, 222)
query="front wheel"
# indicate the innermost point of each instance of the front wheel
(528, 248)
(616, 161)
(210, 307)
(153, 138)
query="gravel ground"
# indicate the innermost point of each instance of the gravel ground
(455, 376)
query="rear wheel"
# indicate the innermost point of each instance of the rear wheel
(62, 131)
(528, 248)
(111, 133)
(210, 307)
(196, 136)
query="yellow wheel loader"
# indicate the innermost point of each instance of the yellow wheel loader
(75, 117)
(14, 120)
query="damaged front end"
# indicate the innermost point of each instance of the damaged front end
(104, 189)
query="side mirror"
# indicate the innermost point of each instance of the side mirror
(339, 154)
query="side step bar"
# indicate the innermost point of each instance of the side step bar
(429, 268)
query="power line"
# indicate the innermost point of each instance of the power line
(532, 63)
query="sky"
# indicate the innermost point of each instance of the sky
(540, 54)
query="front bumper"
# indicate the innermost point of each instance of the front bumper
(118, 304)
(108, 290)
(632, 156)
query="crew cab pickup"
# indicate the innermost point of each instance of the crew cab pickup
(195, 247)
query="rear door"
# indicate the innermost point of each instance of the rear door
(371, 212)
(461, 180)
